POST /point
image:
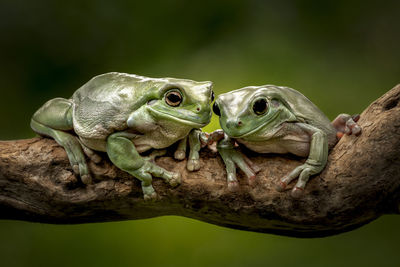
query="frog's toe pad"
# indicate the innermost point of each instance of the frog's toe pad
(175, 180)
(356, 129)
(95, 158)
(75, 168)
(148, 193)
(151, 197)
(179, 155)
(255, 168)
(233, 186)
(86, 179)
(297, 192)
(346, 124)
(193, 165)
(252, 180)
(280, 186)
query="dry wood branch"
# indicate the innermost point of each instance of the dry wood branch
(360, 183)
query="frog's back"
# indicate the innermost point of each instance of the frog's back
(304, 109)
(103, 104)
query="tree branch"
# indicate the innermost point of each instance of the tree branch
(360, 183)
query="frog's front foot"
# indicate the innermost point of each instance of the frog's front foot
(303, 172)
(233, 158)
(196, 141)
(346, 124)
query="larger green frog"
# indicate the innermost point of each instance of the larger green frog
(276, 119)
(125, 115)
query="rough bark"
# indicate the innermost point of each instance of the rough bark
(360, 183)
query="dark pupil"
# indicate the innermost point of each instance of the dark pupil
(260, 106)
(216, 109)
(174, 98)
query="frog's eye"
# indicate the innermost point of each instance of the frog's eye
(260, 106)
(216, 109)
(212, 96)
(173, 98)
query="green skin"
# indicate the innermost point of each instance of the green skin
(287, 123)
(125, 115)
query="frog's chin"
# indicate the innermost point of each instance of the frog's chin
(179, 120)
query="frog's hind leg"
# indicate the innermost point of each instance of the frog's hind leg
(346, 124)
(54, 119)
(123, 154)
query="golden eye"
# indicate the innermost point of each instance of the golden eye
(173, 98)
(260, 106)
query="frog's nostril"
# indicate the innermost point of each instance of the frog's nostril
(198, 109)
(234, 123)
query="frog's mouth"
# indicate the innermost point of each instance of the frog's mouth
(179, 120)
(256, 129)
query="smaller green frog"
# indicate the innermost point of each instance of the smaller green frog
(125, 115)
(276, 119)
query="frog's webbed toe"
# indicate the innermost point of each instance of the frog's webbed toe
(149, 194)
(53, 119)
(346, 124)
(72, 147)
(303, 172)
(75, 155)
(232, 158)
(172, 178)
(93, 156)
(149, 169)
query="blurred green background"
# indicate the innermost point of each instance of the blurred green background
(341, 54)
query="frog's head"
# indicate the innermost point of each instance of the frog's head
(252, 112)
(184, 101)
